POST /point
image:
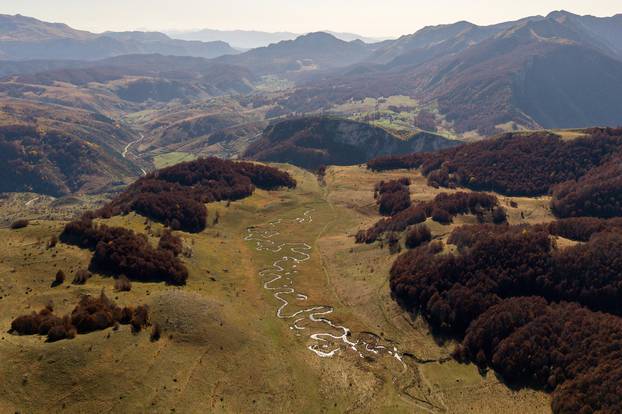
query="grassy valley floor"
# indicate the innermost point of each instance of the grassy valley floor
(223, 349)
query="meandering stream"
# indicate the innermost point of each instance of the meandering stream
(327, 337)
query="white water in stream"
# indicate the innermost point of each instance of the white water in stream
(327, 337)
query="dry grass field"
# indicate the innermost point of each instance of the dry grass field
(223, 349)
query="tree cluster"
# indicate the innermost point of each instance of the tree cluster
(598, 193)
(90, 314)
(442, 209)
(527, 309)
(418, 235)
(51, 162)
(175, 196)
(564, 348)
(451, 290)
(513, 164)
(393, 196)
(170, 242)
(121, 251)
(172, 209)
(583, 228)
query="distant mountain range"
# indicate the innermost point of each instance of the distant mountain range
(555, 71)
(308, 53)
(252, 39)
(23, 38)
(561, 70)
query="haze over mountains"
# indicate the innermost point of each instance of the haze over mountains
(23, 38)
(251, 39)
(330, 209)
(459, 80)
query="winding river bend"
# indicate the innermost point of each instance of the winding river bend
(327, 338)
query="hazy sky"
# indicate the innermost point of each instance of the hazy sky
(366, 17)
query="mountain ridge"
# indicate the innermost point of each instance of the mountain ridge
(24, 38)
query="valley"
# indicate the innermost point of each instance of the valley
(319, 223)
(227, 332)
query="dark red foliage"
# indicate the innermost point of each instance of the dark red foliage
(122, 284)
(441, 216)
(570, 350)
(393, 196)
(59, 279)
(413, 215)
(170, 242)
(91, 314)
(442, 209)
(156, 332)
(467, 236)
(509, 292)
(140, 318)
(590, 274)
(452, 290)
(133, 256)
(513, 164)
(81, 277)
(521, 261)
(172, 209)
(596, 194)
(19, 224)
(582, 228)
(418, 235)
(175, 196)
(121, 251)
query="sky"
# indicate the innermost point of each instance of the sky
(378, 18)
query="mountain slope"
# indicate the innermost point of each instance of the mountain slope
(23, 38)
(315, 51)
(56, 151)
(139, 78)
(20, 28)
(537, 74)
(534, 73)
(252, 39)
(315, 141)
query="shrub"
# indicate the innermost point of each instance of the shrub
(394, 244)
(90, 314)
(394, 196)
(59, 279)
(441, 216)
(122, 284)
(417, 236)
(140, 318)
(19, 224)
(156, 332)
(499, 215)
(170, 242)
(81, 277)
